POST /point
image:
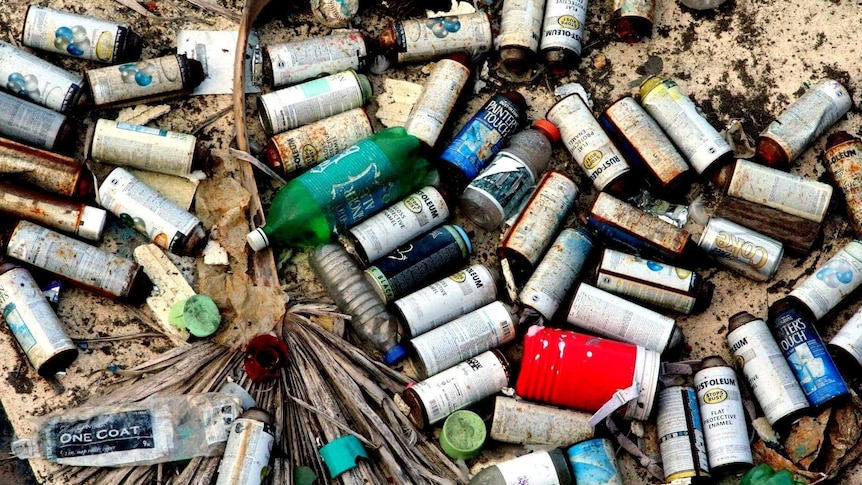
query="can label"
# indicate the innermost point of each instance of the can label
(825, 289)
(845, 162)
(311, 144)
(462, 385)
(537, 467)
(445, 300)
(73, 35)
(426, 39)
(766, 370)
(467, 336)
(53, 173)
(723, 415)
(849, 337)
(142, 147)
(602, 313)
(439, 94)
(792, 194)
(594, 462)
(136, 80)
(678, 116)
(564, 25)
(294, 62)
(649, 281)
(132, 432)
(246, 455)
(417, 213)
(553, 278)
(29, 123)
(502, 186)
(680, 434)
(298, 105)
(634, 8)
(587, 142)
(522, 422)
(809, 117)
(141, 207)
(750, 253)
(52, 212)
(483, 136)
(521, 24)
(27, 75)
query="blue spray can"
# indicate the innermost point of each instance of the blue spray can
(593, 462)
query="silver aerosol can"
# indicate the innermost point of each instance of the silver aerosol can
(680, 434)
(301, 60)
(439, 94)
(249, 445)
(148, 80)
(40, 81)
(520, 31)
(723, 416)
(832, 282)
(522, 422)
(63, 214)
(562, 34)
(741, 249)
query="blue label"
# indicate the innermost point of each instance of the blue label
(593, 462)
(508, 185)
(19, 327)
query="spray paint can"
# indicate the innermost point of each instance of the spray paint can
(294, 62)
(419, 261)
(446, 299)
(467, 336)
(723, 415)
(792, 325)
(547, 467)
(843, 159)
(537, 224)
(34, 125)
(49, 171)
(697, 140)
(57, 213)
(39, 81)
(431, 38)
(311, 101)
(33, 322)
(761, 362)
(246, 455)
(562, 34)
(846, 345)
(595, 463)
(80, 36)
(78, 262)
(574, 370)
(439, 95)
(438, 396)
(590, 146)
(524, 423)
(832, 282)
(633, 19)
(136, 204)
(802, 122)
(643, 143)
(520, 30)
(743, 250)
(549, 284)
(680, 434)
(334, 13)
(148, 80)
(610, 316)
(654, 283)
(145, 148)
(481, 138)
(639, 232)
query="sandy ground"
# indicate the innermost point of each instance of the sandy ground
(746, 60)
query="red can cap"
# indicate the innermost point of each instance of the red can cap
(549, 129)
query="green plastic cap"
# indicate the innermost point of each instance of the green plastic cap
(198, 314)
(463, 435)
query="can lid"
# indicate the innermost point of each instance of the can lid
(198, 314)
(92, 223)
(739, 320)
(394, 355)
(648, 84)
(464, 236)
(549, 129)
(518, 99)
(713, 361)
(196, 74)
(463, 435)
(365, 87)
(257, 239)
(838, 138)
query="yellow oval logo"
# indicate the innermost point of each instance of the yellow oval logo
(569, 22)
(592, 159)
(413, 204)
(682, 273)
(740, 362)
(459, 277)
(105, 46)
(715, 396)
(308, 154)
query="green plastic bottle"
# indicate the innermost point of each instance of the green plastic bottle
(343, 190)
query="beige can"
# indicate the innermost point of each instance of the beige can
(439, 95)
(426, 39)
(789, 193)
(142, 147)
(113, 84)
(521, 24)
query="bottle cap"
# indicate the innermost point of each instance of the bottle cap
(463, 435)
(92, 223)
(394, 355)
(257, 239)
(341, 454)
(198, 314)
(549, 129)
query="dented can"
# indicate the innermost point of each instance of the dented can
(743, 250)
(439, 95)
(467, 336)
(697, 140)
(438, 396)
(49, 171)
(34, 125)
(137, 205)
(33, 322)
(446, 299)
(594, 462)
(76, 261)
(525, 423)
(430, 38)
(80, 36)
(643, 143)
(562, 34)
(843, 158)
(148, 80)
(721, 410)
(246, 454)
(633, 19)
(680, 434)
(608, 315)
(520, 30)
(550, 283)
(39, 81)
(759, 358)
(301, 60)
(311, 101)
(802, 122)
(51, 211)
(590, 146)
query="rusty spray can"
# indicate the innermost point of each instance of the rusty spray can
(633, 19)
(802, 122)
(147, 80)
(440, 93)
(594, 462)
(525, 423)
(520, 31)
(562, 34)
(301, 60)
(680, 434)
(431, 38)
(49, 171)
(832, 282)
(34, 125)
(723, 415)
(843, 159)
(39, 81)
(741, 249)
(246, 454)
(58, 213)
(759, 359)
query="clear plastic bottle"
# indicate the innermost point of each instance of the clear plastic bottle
(545, 467)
